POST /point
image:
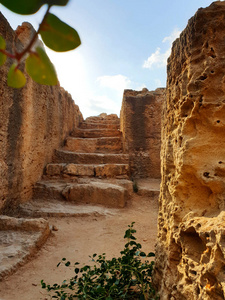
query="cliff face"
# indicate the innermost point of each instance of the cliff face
(34, 121)
(190, 249)
(140, 123)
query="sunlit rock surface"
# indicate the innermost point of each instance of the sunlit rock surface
(34, 121)
(140, 123)
(190, 250)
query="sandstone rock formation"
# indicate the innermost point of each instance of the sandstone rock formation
(140, 123)
(190, 253)
(34, 121)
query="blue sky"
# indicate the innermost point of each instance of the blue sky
(125, 45)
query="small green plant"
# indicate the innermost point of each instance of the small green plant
(55, 34)
(126, 277)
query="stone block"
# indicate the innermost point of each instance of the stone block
(111, 170)
(97, 193)
(54, 169)
(79, 170)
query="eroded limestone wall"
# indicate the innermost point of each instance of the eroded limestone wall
(34, 121)
(140, 119)
(190, 250)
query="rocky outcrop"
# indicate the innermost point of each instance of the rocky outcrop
(190, 252)
(34, 121)
(140, 123)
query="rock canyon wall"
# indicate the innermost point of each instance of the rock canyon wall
(190, 252)
(140, 123)
(34, 121)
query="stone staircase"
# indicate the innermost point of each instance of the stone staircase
(91, 168)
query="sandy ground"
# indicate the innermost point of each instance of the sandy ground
(76, 239)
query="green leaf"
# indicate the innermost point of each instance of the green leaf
(57, 2)
(59, 36)
(43, 285)
(40, 68)
(25, 7)
(16, 78)
(2, 47)
(3, 58)
(151, 254)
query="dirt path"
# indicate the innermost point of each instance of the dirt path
(76, 239)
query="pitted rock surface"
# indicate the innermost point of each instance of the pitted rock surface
(190, 256)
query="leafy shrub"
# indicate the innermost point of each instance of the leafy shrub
(56, 35)
(126, 277)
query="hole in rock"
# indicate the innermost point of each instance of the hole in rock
(180, 140)
(220, 162)
(212, 72)
(212, 53)
(192, 244)
(197, 289)
(206, 174)
(186, 108)
(203, 77)
(193, 272)
(218, 121)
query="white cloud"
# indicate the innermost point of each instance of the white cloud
(159, 58)
(105, 104)
(174, 35)
(116, 82)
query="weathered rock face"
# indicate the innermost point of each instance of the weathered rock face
(140, 123)
(191, 240)
(34, 121)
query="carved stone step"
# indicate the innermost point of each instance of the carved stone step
(90, 125)
(94, 145)
(112, 119)
(63, 156)
(103, 193)
(103, 170)
(56, 208)
(20, 239)
(93, 133)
